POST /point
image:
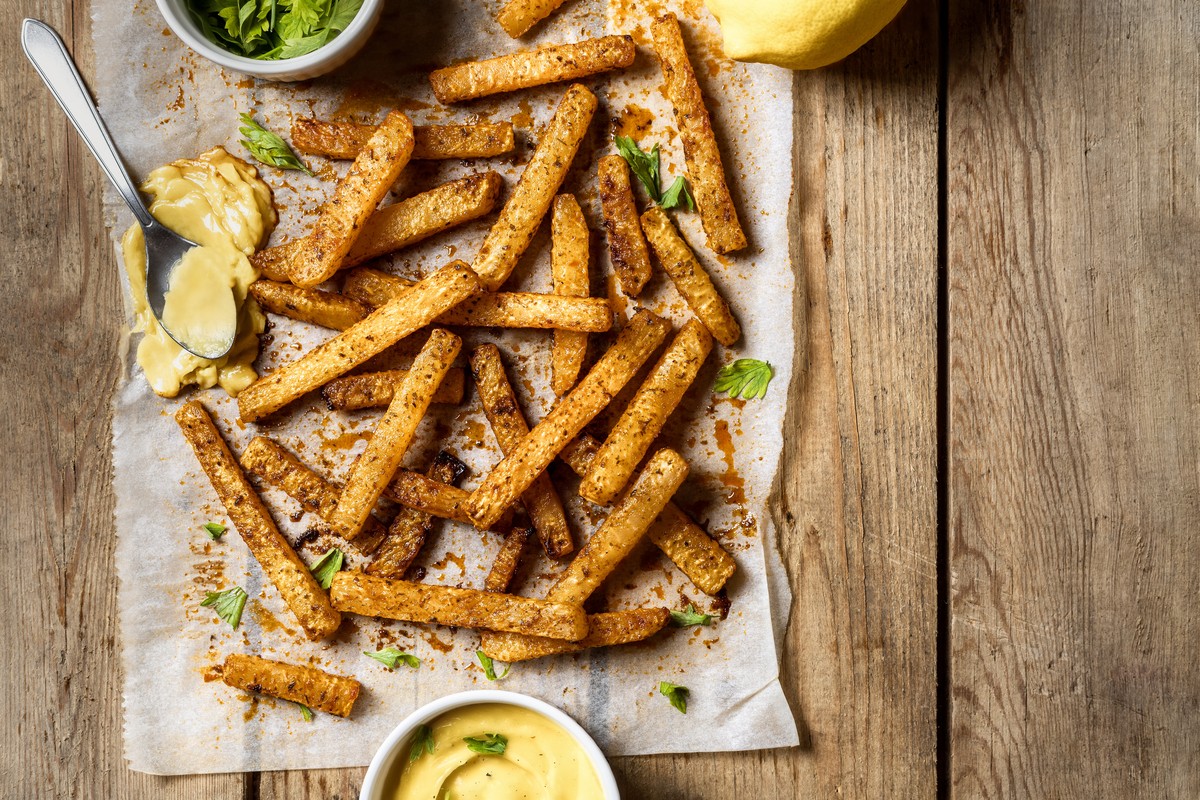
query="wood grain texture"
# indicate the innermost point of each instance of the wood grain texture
(1074, 296)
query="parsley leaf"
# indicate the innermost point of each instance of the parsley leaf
(390, 657)
(489, 667)
(267, 147)
(643, 165)
(305, 712)
(678, 194)
(228, 604)
(746, 377)
(342, 14)
(422, 743)
(215, 530)
(327, 566)
(272, 29)
(490, 744)
(689, 617)
(677, 694)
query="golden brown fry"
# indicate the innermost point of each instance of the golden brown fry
(604, 630)
(413, 490)
(626, 244)
(569, 270)
(530, 200)
(354, 200)
(512, 476)
(327, 309)
(706, 174)
(376, 464)
(279, 561)
(430, 142)
(689, 277)
(376, 389)
(518, 16)
(541, 499)
(549, 64)
(373, 287)
(406, 534)
(308, 686)
(505, 566)
(465, 608)
(400, 224)
(384, 327)
(630, 518)
(270, 462)
(647, 412)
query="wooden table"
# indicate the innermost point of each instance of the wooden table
(991, 501)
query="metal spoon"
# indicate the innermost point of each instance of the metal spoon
(164, 248)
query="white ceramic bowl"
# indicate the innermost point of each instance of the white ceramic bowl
(393, 746)
(328, 58)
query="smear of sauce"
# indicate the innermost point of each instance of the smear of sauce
(734, 485)
(634, 122)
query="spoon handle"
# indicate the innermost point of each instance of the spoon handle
(50, 58)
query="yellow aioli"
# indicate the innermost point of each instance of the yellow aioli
(219, 202)
(542, 761)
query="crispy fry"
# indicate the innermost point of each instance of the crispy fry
(376, 389)
(530, 200)
(705, 171)
(375, 465)
(629, 519)
(309, 686)
(518, 16)
(278, 560)
(541, 500)
(385, 326)
(569, 270)
(604, 630)
(413, 490)
(408, 530)
(354, 200)
(512, 476)
(358, 593)
(646, 414)
(327, 309)
(505, 566)
(626, 244)
(270, 462)
(549, 64)
(689, 277)
(373, 287)
(430, 142)
(400, 224)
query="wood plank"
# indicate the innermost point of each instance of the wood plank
(1074, 298)
(61, 733)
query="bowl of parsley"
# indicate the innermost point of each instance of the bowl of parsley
(280, 40)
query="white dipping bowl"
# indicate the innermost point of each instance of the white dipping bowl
(326, 59)
(392, 750)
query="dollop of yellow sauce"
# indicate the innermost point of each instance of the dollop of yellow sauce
(219, 202)
(541, 761)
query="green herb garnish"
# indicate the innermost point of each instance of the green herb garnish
(422, 743)
(305, 712)
(272, 29)
(490, 744)
(215, 530)
(269, 148)
(689, 616)
(677, 694)
(390, 657)
(228, 604)
(489, 667)
(678, 194)
(329, 564)
(746, 377)
(646, 167)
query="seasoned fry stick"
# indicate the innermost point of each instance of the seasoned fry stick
(629, 519)
(384, 327)
(505, 566)
(689, 277)
(400, 224)
(569, 270)
(522, 214)
(308, 686)
(430, 142)
(413, 490)
(626, 244)
(604, 630)
(373, 287)
(376, 389)
(375, 465)
(327, 309)
(541, 500)
(646, 414)
(408, 530)
(270, 462)
(518, 16)
(279, 561)
(354, 199)
(465, 608)
(512, 476)
(550, 64)
(705, 171)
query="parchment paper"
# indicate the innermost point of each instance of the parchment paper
(163, 102)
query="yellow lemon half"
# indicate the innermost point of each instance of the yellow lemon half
(799, 34)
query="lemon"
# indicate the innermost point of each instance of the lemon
(799, 34)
